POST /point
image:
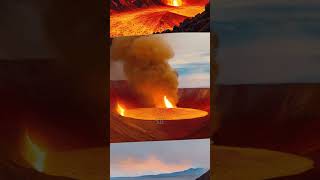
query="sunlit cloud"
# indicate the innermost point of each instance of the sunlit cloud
(197, 80)
(152, 165)
(156, 157)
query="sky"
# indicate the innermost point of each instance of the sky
(154, 157)
(267, 41)
(191, 59)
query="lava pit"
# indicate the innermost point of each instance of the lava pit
(169, 112)
(164, 113)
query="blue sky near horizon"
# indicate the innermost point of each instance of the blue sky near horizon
(267, 41)
(191, 59)
(156, 157)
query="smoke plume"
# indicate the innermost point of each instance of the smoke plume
(145, 60)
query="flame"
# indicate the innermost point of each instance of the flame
(167, 103)
(120, 109)
(174, 2)
(34, 155)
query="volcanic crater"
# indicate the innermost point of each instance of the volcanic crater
(147, 17)
(126, 129)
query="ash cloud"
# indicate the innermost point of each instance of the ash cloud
(145, 63)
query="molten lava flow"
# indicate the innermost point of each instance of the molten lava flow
(143, 21)
(120, 110)
(167, 103)
(34, 155)
(173, 2)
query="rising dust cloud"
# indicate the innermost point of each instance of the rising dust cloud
(145, 64)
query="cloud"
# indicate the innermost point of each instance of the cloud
(193, 75)
(152, 165)
(158, 156)
(268, 41)
(185, 43)
(195, 80)
(191, 59)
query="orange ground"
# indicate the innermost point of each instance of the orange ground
(149, 20)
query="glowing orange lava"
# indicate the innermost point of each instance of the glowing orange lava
(143, 21)
(34, 155)
(120, 110)
(173, 2)
(168, 111)
(154, 114)
(167, 103)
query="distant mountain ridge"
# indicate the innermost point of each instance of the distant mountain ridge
(191, 174)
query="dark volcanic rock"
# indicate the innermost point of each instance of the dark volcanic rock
(199, 23)
(205, 176)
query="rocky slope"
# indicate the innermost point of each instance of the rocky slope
(162, 19)
(205, 176)
(198, 23)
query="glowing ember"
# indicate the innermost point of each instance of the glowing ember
(165, 113)
(167, 103)
(174, 2)
(120, 109)
(34, 155)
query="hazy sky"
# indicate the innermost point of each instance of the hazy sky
(154, 157)
(191, 60)
(268, 41)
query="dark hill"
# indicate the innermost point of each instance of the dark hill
(198, 23)
(205, 176)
